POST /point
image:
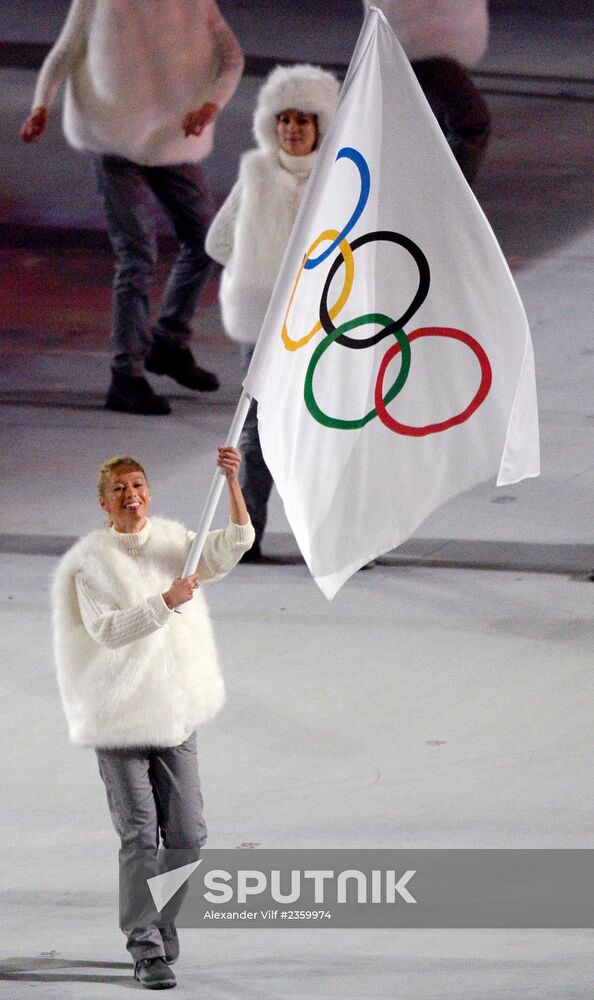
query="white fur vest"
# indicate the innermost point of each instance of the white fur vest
(250, 232)
(267, 197)
(150, 692)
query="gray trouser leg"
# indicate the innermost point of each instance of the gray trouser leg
(182, 193)
(130, 211)
(256, 481)
(130, 194)
(152, 789)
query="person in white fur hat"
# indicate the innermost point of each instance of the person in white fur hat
(145, 82)
(442, 39)
(251, 230)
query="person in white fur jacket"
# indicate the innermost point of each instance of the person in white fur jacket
(442, 39)
(145, 81)
(250, 233)
(136, 679)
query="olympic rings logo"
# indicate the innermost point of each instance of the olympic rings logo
(389, 327)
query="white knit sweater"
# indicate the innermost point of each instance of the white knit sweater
(130, 671)
(134, 68)
(426, 28)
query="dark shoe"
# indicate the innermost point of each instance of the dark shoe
(178, 363)
(252, 555)
(133, 394)
(171, 945)
(154, 974)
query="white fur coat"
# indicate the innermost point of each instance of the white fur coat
(134, 68)
(155, 690)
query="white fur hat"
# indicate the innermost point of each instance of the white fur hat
(302, 87)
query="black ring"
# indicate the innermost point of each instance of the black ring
(418, 298)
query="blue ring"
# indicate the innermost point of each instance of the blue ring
(361, 165)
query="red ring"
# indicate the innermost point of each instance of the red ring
(460, 418)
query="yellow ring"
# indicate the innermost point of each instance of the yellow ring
(349, 274)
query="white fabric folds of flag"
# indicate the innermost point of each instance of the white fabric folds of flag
(395, 367)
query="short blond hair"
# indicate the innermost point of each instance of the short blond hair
(116, 464)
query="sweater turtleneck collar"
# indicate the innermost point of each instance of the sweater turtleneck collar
(132, 541)
(300, 166)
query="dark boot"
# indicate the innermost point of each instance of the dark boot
(178, 363)
(253, 555)
(133, 394)
(154, 974)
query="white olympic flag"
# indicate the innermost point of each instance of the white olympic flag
(395, 366)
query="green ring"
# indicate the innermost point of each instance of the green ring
(310, 400)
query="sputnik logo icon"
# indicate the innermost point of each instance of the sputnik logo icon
(164, 886)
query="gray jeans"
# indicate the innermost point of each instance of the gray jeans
(130, 194)
(256, 481)
(152, 790)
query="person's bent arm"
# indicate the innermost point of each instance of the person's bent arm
(114, 627)
(230, 61)
(55, 68)
(224, 548)
(229, 460)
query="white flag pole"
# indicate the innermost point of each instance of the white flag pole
(216, 488)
